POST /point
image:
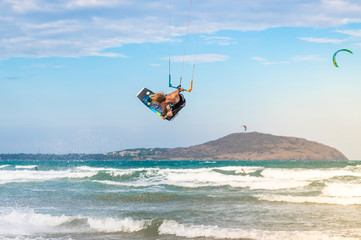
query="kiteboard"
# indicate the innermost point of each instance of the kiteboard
(144, 97)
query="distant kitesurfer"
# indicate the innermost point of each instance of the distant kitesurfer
(171, 103)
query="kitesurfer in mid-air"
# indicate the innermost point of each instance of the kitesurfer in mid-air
(171, 103)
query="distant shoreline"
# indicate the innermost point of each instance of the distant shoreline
(105, 157)
(65, 157)
(251, 146)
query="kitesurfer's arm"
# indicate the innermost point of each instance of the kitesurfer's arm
(179, 90)
(167, 110)
(164, 111)
(176, 93)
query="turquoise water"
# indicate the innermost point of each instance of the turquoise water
(180, 200)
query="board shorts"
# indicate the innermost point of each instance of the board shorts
(178, 106)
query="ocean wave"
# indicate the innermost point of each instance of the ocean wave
(238, 170)
(170, 227)
(4, 166)
(127, 225)
(17, 176)
(27, 174)
(342, 190)
(29, 238)
(310, 199)
(197, 178)
(94, 169)
(117, 176)
(256, 178)
(356, 168)
(20, 223)
(25, 223)
(307, 174)
(25, 166)
(125, 184)
(155, 197)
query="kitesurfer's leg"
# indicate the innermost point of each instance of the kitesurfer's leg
(169, 111)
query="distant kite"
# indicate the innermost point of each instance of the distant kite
(334, 55)
(245, 127)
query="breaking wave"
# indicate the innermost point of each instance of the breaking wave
(30, 223)
(170, 227)
(333, 185)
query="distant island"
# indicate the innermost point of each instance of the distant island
(237, 146)
(241, 146)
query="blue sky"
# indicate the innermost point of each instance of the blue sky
(70, 72)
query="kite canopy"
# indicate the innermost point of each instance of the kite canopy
(334, 55)
(245, 127)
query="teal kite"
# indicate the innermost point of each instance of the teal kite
(334, 55)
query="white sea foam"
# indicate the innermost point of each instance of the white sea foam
(25, 167)
(20, 224)
(207, 177)
(28, 173)
(340, 193)
(344, 190)
(32, 175)
(25, 223)
(238, 169)
(125, 184)
(117, 225)
(202, 178)
(4, 166)
(94, 169)
(28, 223)
(232, 176)
(310, 199)
(27, 238)
(356, 168)
(307, 174)
(116, 171)
(170, 227)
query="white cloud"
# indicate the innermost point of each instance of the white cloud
(49, 29)
(322, 40)
(80, 27)
(260, 59)
(23, 5)
(73, 38)
(6, 19)
(353, 33)
(274, 63)
(341, 6)
(306, 58)
(263, 14)
(154, 65)
(92, 3)
(266, 62)
(224, 41)
(199, 58)
(108, 54)
(313, 57)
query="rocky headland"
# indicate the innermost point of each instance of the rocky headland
(240, 146)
